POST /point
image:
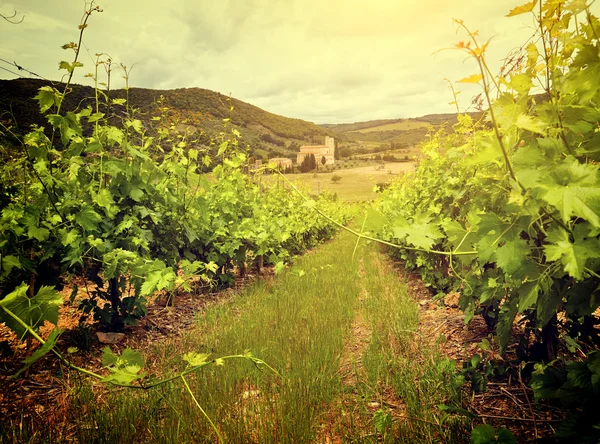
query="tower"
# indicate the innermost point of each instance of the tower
(330, 144)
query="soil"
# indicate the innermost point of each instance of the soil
(40, 397)
(506, 401)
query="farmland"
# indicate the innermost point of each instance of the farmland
(159, 285)
(356, 183)
(403, 125)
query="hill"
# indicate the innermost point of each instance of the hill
(383, 134)
(192, 109)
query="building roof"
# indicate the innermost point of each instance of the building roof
(312, 147)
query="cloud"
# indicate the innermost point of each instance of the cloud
(334, 60)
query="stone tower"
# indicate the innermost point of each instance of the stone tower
(330, 144)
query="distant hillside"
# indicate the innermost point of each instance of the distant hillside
(267, 134)
(404, 133)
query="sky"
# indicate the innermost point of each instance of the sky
(325, 61)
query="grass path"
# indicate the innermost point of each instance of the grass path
(342, 334)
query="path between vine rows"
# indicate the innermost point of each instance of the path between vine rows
(43, 397)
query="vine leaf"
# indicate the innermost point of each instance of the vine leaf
(523, 9)
(528, 295)
(574, 190)
(422, 233)
(32, 311)
(573, 255)
(125, 368)
(47, 96)
(40, 352)
(195, 359)
(87, 218)
(507, 315)
(374, 221)
(475, 78)
(512, 255)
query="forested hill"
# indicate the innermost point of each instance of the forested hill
(405, 132)
(267, 134)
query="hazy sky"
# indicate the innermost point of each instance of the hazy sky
(318, 60)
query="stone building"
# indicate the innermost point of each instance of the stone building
(320, 151)
(281, 162)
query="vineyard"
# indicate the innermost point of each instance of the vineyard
(102, 215)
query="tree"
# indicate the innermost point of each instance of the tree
(312, 162)
(323, 160)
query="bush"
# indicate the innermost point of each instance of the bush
(336, 178)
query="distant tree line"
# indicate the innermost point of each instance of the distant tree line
(309, 163)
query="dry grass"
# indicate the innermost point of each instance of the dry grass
(356, 184)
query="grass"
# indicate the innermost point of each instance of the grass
(300, 323)
(356, 184)
(296, 324)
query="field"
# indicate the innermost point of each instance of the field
(157, 285)
(356, 184)
(404, 125)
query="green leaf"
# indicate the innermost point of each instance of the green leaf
(593, 364)
(279, 267)
(574, 190)
(521, 83)
(8, 263)
(108, 357)
(124, 375)
(135, 124)
(40, 352)
(422, 233)
(505, 436)
(47, 96)
(41, 234)
(88, 219)
(32, 311)
(104, 199)
(547, 305)
(528, 294)
(310, 204)
(95, 117)
(483, 434)
(125, 368)
(136, 194)
(532, 124)
(113, 135)
(374, 220)
(506, 317)
(67, 238)
(160, 279)
(512, 255)
(382, 421)
(573, 255)
(131, 357)
(195, 359)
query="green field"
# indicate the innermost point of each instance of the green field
(404, 125)
(356, 184)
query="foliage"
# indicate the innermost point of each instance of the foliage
(576, 386)
(506, 211)
(95, 192)
(485, 434)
